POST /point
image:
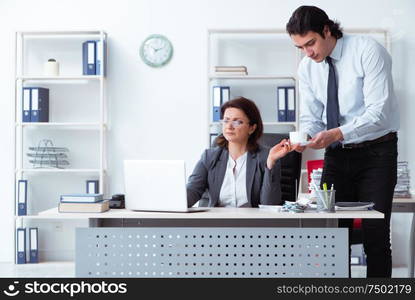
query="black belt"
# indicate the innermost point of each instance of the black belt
(387, 137)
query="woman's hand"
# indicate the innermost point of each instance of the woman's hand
(279, 151)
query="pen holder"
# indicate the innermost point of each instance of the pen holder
(326, 200)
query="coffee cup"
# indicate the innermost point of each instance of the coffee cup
(298, 137)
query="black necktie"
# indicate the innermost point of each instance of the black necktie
(332, 110)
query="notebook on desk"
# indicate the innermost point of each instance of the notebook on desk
(156, 185)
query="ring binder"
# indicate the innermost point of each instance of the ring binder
(33, 245)
(21, 245)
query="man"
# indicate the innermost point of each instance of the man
(348, 106)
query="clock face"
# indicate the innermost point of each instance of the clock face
(156, 50)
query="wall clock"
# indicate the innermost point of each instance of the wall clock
(156, 50)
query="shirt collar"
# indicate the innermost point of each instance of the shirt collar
(239, 161)
(336, 53)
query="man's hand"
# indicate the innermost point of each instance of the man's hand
(324, 138)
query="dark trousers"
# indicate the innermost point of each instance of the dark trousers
(367, 174)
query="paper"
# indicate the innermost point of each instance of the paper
(271, 207)
(354, 205)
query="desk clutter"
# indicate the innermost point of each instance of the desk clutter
(294, 207)
(402, 188)
(231, 70)
(90, 203)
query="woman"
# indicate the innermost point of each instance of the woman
(239, 172)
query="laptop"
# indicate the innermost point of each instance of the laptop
(156, 185)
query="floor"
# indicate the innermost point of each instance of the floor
(67, 269)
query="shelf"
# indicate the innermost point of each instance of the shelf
(63, 125)
(63, 33)
(61, 79)
(79, 115)
(247, 31)
(213, 77)
(280, 123)
(264, 123)
(59, 170)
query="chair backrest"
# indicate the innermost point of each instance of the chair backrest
(290, 167)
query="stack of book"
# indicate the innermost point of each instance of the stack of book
(230, 70)
(403, 184)
(90, 203)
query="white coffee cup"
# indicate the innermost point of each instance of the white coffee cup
(298, 137)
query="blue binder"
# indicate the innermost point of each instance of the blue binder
(101, 60)
(39, 105)
(281, 104)
(89, 57)
(26, 104)
(225, 94)
(22, 198)
(216, 103)
(92, 186)
(290, 95)
(221, 94)
(21, 245)
(33, 245)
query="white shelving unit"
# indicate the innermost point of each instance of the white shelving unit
(77, 116)
(271, 61)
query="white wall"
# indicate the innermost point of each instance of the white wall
(162, 113)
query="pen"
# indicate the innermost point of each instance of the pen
(326, 200)
(318, 191)
(331, 195)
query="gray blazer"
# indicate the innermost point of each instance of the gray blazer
(262, 185)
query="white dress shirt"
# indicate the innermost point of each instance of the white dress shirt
(233, 190)
(367, 102)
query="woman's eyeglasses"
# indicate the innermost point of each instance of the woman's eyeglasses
(234, 123)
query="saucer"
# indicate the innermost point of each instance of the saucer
(302, 143)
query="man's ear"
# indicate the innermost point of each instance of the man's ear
(326, 31)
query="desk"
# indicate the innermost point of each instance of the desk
(407, 205)
(402, 205)
(215, 216)
(221, 242)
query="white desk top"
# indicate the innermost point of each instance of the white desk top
(394, 200)
(212, 213)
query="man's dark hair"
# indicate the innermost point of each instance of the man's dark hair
(312, 18)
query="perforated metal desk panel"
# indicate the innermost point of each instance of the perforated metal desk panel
(98, 255)
(211, 252)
